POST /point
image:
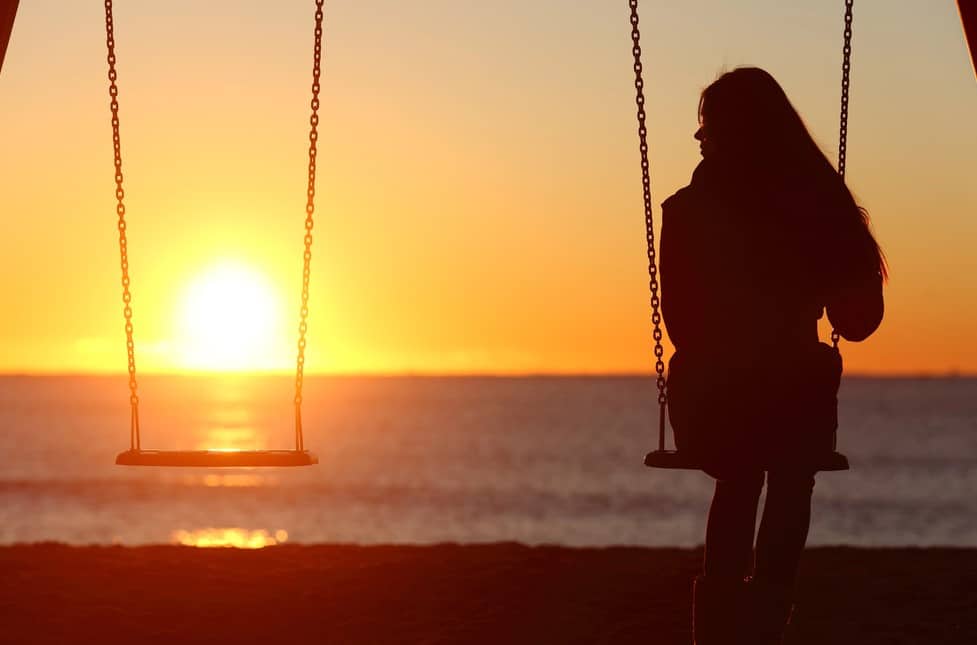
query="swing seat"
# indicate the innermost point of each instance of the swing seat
(676, 460)
(216, 458)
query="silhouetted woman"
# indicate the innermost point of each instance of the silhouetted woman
(765, 238)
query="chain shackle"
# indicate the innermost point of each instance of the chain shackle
(309, 223)
(653, 288)
(843, 118)
(120, 211)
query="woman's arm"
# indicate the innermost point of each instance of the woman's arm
(855, 304)
(682, 279)
(856, 308)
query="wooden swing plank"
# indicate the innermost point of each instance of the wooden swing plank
(216, 458)
(675, 460)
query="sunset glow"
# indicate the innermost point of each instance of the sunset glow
(478, 206)
(229, 537)
(230, 320)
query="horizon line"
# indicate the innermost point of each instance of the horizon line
(948, 374)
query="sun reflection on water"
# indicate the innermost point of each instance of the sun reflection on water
(230, 438)
(233, 481)
(229, 480)
(237, 538)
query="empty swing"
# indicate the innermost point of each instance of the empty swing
(136, 455)
(662, 457)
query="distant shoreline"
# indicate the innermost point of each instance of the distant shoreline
(449, 593)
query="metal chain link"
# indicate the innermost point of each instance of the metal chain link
(843, 119)
(656, 318)
(309, 222)
(120, 210)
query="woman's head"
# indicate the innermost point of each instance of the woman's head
(745, 115)
(747, 122)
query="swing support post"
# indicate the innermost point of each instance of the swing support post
(8, 11)
(968, 19)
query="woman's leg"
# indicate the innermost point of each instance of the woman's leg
(784, 527)
(718, 595)
(731, 526)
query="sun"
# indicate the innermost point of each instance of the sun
(231, 319)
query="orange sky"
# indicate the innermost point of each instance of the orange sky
(479, 205)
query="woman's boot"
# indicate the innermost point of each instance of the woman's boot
(717, 608)
(768, 612)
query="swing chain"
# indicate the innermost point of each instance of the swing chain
(309, 223)
(656, 318)
(845, 84)
(120, 210)
(843, 119)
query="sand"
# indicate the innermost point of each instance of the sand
(498, 593)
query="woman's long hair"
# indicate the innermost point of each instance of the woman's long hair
(752, 124)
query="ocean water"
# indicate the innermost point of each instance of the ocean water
(469, 459)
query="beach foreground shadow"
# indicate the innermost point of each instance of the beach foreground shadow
(496, 593)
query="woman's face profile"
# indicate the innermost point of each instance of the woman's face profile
(706, 146)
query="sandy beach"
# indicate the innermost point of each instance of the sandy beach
(498, 593)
